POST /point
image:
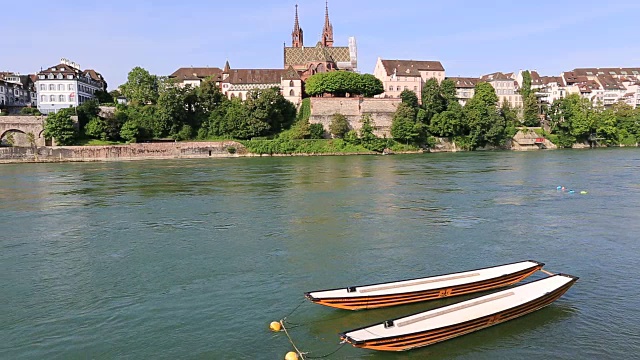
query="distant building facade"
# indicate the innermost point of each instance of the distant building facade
(400, 75)
(506, 88)
(194, 76)
(465, 88)
(16, 90)
(66, 85)
(236, 83)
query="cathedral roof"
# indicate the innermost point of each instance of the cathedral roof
(303, 55)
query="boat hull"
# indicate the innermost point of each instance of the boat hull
(425, 338)
(380, 301)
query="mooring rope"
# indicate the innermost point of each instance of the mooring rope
(284, 328)
(329, 354)
(547, 272)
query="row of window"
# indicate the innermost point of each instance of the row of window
(505, 92)
(69, 87)
(54, 98)
(399, 88)
(51, 76)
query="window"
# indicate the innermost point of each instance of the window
(60, 87)
(60, 76)
(398, 88)
(415, 89)
(43, 87)
(291, 83)
(61, 98)
(50, 76)
(292, 93)
(69, 76)
(406, 88)
(52, 98)
(70, 87)
(52, 87)
(43, 98)
(390, 87)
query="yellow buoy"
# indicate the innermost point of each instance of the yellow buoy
(275, 326)
(291, 356)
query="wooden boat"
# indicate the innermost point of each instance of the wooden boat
(447, 322)
(422, 289)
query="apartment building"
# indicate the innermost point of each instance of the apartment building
(66, 85)
(506, 88)
(400, 75)
(465, 88)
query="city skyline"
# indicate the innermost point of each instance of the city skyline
(469, 39)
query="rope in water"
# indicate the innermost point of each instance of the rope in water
(547, 272)
(291, 340)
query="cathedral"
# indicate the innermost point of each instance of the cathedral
(322, 57)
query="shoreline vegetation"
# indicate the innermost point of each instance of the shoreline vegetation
(265, 123)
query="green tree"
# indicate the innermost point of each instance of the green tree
(130, 131)
(141, 87)
(316, 131)
(529, 101)
(432, 100)
(410, 98)
(484, 124)
(448, 92)
(341, 83)
(271, 108)
(96, 128)
(404, 126)
(60, 127)
(339, 125)
(104, 97)
(370, 86)
(30, 111)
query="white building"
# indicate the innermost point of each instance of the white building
(465, 88)
(506, 88)
(66, 85)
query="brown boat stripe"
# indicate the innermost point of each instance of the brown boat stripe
(476, 285)
(397, 286)
(372, 301)
(447, 311)
(430, 337)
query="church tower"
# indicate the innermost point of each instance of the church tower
(327, 32)
(297, 36)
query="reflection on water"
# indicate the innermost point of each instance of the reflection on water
(192, 259)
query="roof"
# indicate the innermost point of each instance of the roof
(410, 67)
(191, 73)
(497, 76)
(93, 74)
(546, 80)
(588, 86)
(260, 76)
(571, 78)
(464, 82)
(608, 82)
(302, 55)
(536, 79)
(607, 71)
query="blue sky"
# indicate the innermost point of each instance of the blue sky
(470, 38)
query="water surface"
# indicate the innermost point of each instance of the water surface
(193, 259)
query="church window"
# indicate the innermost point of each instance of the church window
(291, 84)
(292, 93)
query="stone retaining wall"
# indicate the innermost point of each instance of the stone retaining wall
(381, 111)
(178, 150)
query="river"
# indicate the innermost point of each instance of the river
(194, 258)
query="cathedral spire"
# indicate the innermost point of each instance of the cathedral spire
(327, 32)
(297, 36)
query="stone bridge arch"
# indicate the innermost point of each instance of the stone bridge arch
(20, 126)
